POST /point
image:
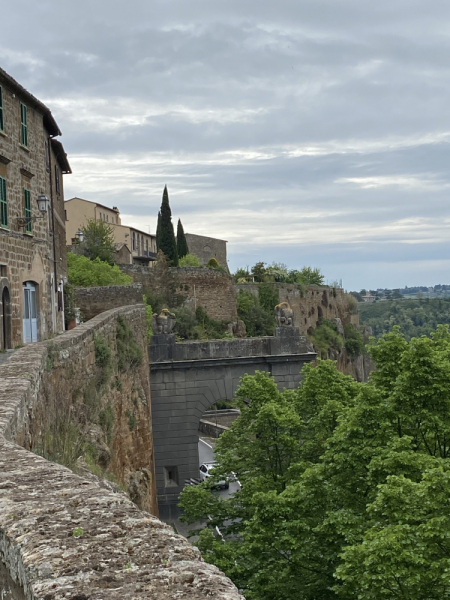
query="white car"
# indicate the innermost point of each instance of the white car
(206, 472)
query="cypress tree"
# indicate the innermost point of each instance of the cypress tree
(158, 231)
(182, 246)
(167, 241)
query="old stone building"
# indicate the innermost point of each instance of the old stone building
(33, 265)
(207, 247)
(133, 246)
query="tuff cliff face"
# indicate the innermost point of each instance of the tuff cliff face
(93, 401)
(68, 536)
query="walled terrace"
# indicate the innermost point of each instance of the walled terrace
(75, 537)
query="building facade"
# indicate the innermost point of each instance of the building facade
(140, 246)
(33, 265)
(207, 247)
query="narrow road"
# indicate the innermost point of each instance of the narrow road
(205, 454)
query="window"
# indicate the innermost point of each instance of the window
(23, 125)
(1, 110)
(146, 245)
(58, 191)
(107, 218)
(134, 241)
(3, 204)
(27, 209)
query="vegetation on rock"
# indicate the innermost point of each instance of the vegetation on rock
(190, 260)
(280, 273)
(344, 485)
(258, 320)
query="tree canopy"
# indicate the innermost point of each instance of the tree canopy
(182, 245)
(345, 486)
(98, 241)
(83, 272)
(167, 243)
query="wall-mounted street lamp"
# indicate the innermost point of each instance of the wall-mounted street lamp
(42, 202)
(79, 235)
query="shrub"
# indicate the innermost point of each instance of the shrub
(129, 353)
(354, 341)
(83, 272)
(190, 260)
(258, 321)
(326, 337)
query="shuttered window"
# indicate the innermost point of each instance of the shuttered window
(1, 110)
(23, 125)
(3, 204)
(27, 207)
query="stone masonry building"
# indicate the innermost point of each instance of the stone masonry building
(33, 266)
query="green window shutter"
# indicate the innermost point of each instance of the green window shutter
(1, 110)
(23, 125)
(3, 204)
(27, 205)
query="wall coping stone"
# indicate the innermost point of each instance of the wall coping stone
(123, 553)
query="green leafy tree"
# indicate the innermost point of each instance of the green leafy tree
(345, 486)
(182, 245)
(167, 243)
(83, 272)
(98, 241)
(258, 321)
(189, 260)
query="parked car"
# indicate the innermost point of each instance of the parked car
(206, 472)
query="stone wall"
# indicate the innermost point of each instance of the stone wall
(94, 300)
(308, 306)
(195, 286)
(66, 536)
(207, 247)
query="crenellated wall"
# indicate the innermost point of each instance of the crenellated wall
(68, 536)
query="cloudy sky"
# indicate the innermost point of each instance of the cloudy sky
(309, 132)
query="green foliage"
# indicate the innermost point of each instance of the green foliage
(190, 260)
(415, 317)
(158, 231)
(98, 241)
(77, 532)
(51, 353)
(148, 317)
(326, 337)
(83, 272)
(103, 359)
(345, 485)
(69, 304)
(213, 264)
(268, 297)
(182, 246)
(241, 273)
(352, 303)
(258, 321)
(167, 243)
(131, 419)
(106, 421)
(354, 341)
(280, 273)
(129, 353)
(198, 325)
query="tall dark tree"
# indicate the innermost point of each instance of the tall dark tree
(182, 246)
(158, 231)
(167, 243)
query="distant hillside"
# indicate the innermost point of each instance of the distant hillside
(415, 317)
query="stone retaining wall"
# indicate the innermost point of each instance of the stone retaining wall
(66, 536)
(95, 300)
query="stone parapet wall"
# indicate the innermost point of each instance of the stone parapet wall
(309, 305)
(95, 300)
(287, 341)
(65, 536)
